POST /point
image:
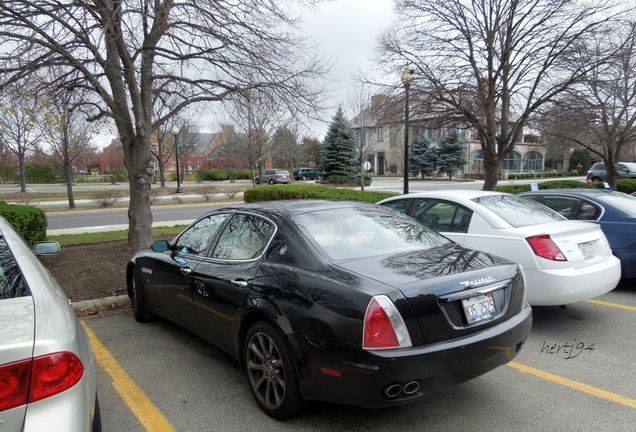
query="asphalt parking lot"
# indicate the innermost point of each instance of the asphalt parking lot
(576, 372)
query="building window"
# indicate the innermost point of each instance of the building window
(393, 169)
(476, 161)
(393, 142)
(380, 133)
(512, 163)
(533, 161)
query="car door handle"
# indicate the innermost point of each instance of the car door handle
(186, 270)
(239, 283)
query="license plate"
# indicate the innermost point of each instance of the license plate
(479, 308)
(587, 249)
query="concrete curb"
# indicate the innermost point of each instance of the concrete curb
(89, 304)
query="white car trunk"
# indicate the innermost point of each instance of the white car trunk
(582, 243)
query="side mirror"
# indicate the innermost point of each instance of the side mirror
(160, 246)
(46, 248)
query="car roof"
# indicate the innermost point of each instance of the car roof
(573, 191)
(456, 194)
(294, 207)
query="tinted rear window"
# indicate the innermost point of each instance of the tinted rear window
(12, 284)
(518, 211)
(350, 233)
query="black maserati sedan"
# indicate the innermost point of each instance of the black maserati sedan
(336, 301)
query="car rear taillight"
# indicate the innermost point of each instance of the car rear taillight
(39, 378)
(383, 326)
(14, 384)
(544, 247)
(54, 373)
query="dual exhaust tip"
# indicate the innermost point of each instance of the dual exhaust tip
(394, 390)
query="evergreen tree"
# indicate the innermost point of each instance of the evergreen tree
(338, 154)
(422, 157)
(450, 152)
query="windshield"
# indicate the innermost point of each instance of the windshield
(517, 211)
(348, 233)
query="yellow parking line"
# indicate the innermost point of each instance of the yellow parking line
(147, 413)
(575, 384)
(612, 304)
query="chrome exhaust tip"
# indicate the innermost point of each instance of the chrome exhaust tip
(392, 390)
(411, 387)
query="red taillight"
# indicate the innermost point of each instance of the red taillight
(37, 379)
(54, 373)
(14, 384)
(544, 247)
(378, 329)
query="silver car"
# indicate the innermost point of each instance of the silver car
(47, 372)
(273, 176)
(598, 172)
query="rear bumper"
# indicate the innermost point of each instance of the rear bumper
(364, 374)
(569, 285)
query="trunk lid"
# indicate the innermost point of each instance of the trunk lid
(440, 283)
(582, 243)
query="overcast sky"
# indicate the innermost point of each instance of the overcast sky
(348, 31)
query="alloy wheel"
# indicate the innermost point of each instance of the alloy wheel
(265, 370)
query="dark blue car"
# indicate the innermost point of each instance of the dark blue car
(614, 211)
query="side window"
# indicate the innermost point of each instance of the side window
(197, 238)
(399, 205)
(244, 238)
(441, 215)
(564, 206)
(588, 212)
(12, 284)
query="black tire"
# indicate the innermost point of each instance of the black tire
(256, 181)
(304, 177)
(138, 297)
(271, 181)
(596, 179)
(97, 417)
(271, 373)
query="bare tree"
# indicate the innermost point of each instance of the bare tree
(492, 64)
(21, 109)
(285, 147)
(255, 119)
(364, 117)
(68, 131)
(599, 113)
(128, 51)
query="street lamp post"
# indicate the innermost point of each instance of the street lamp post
(407, 79)
(175, 132)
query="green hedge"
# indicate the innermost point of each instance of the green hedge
(627, 185)
(29, 221)
(346, 180)
(288, 192)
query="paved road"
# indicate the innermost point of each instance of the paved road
(196, 387)
(117, 219)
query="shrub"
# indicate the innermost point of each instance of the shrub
(29, 221)
(346, 181)
(207, 192)
(289, 192)
(216, 175)
(244, 174)
(624, 185)
(106, 198)
(231, 192)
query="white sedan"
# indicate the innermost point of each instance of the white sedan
(564, 261)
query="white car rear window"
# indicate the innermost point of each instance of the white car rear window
(518, 212)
